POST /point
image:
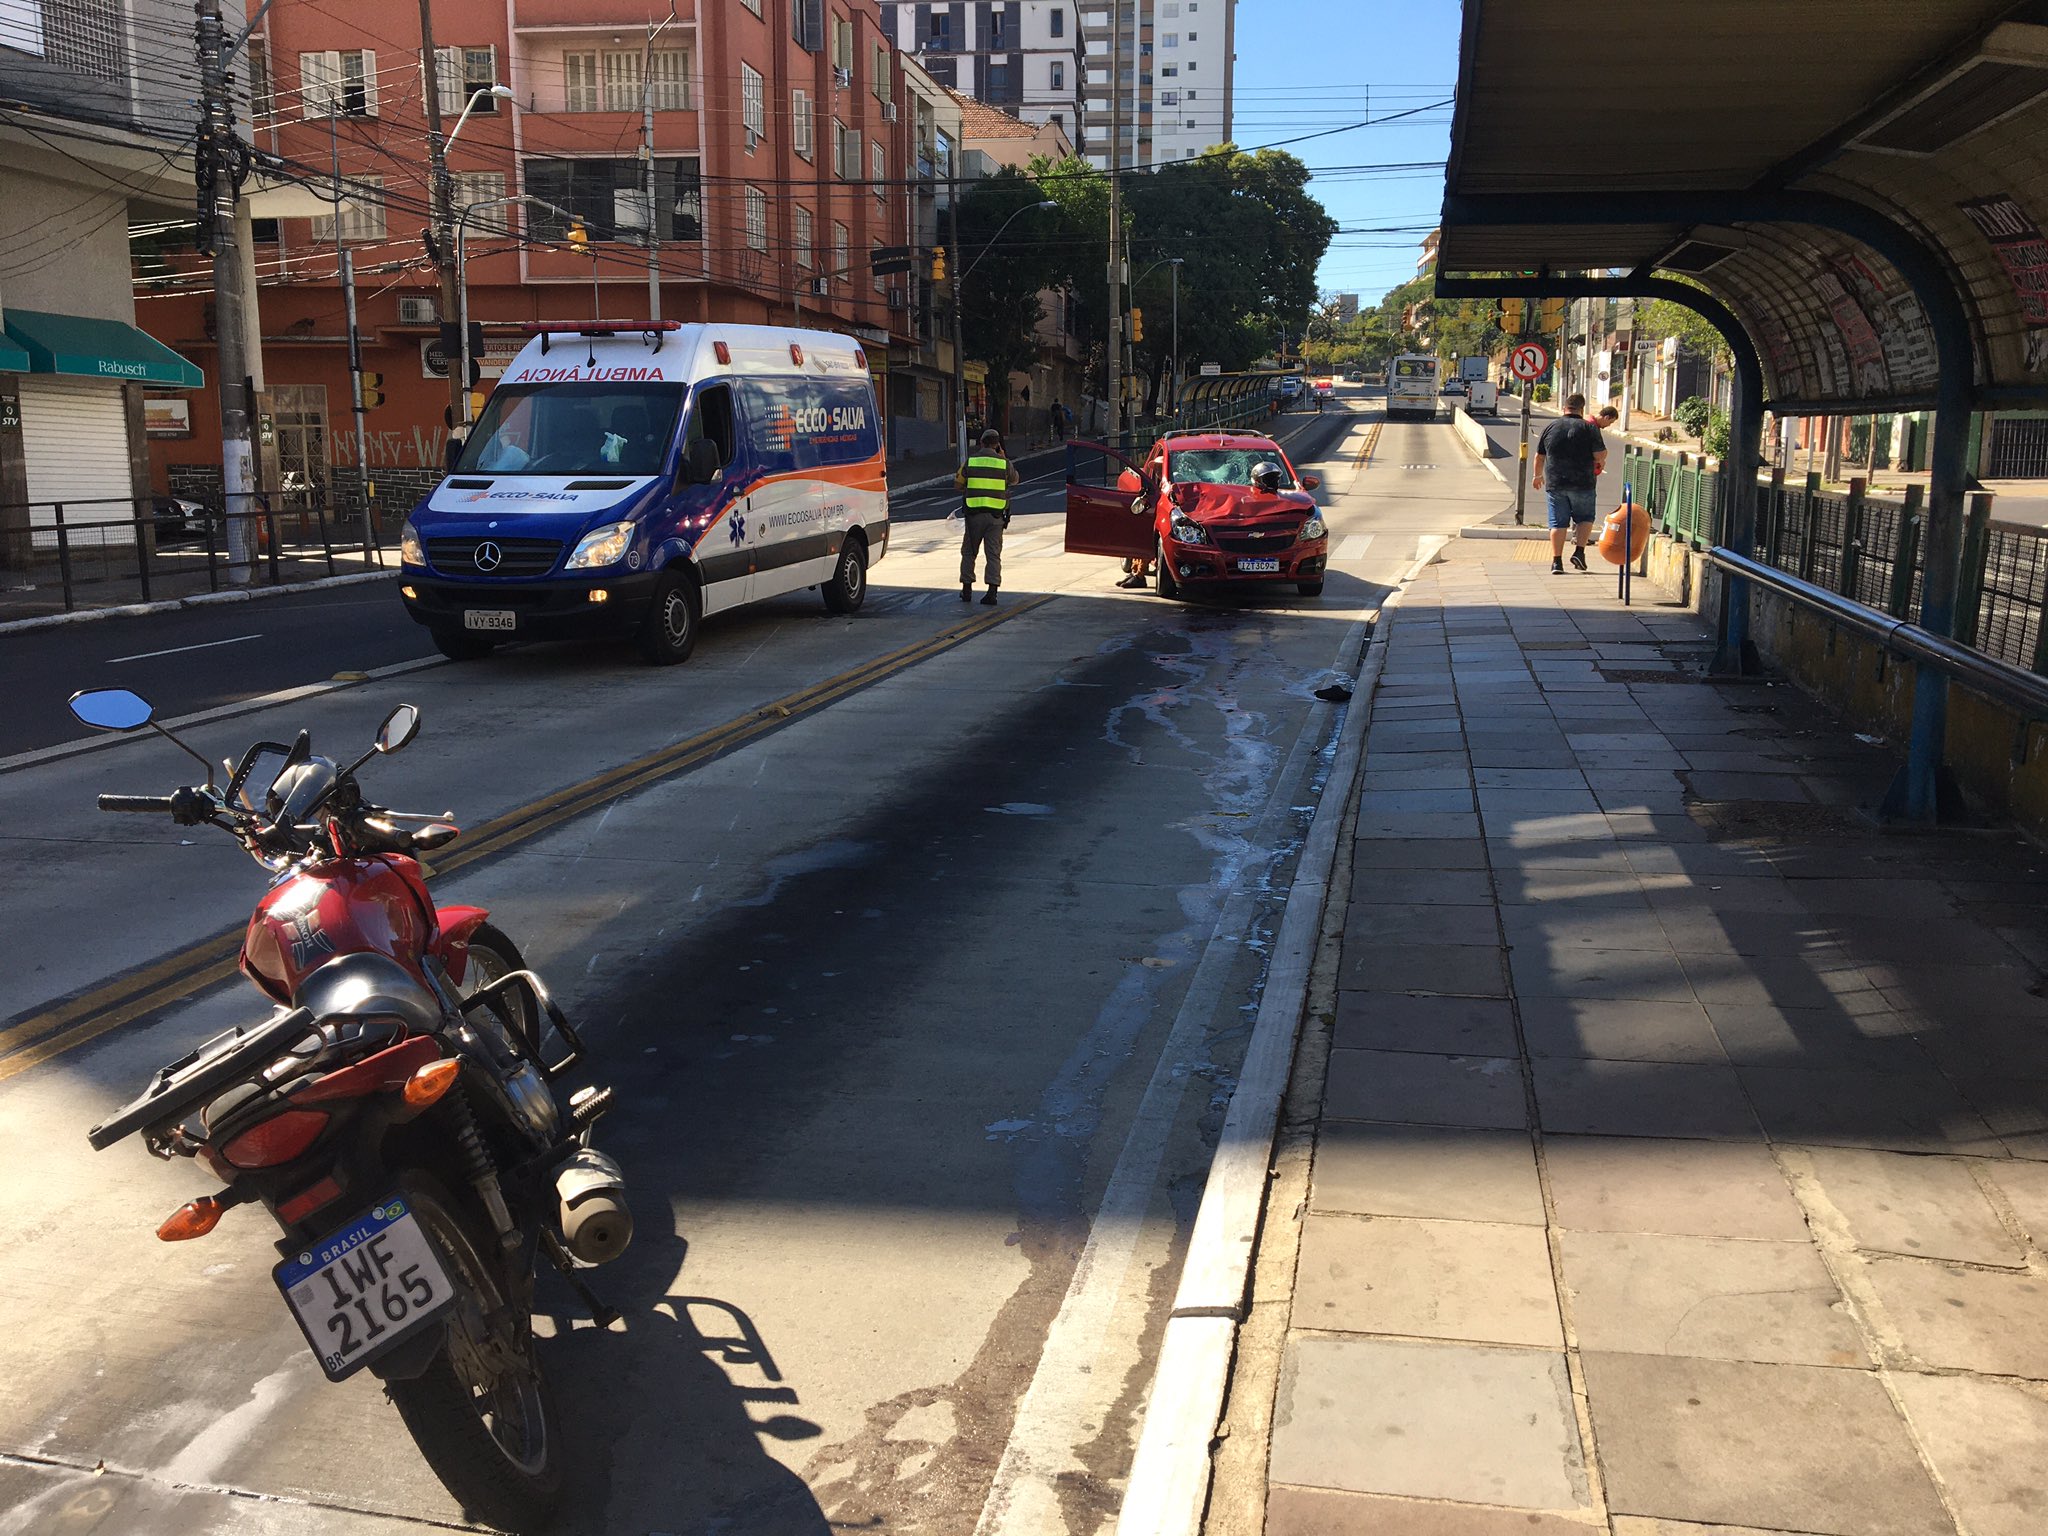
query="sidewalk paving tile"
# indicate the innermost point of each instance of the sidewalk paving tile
(1923, 1207)
(1329, 1512)
(1418, 824)
(2025, 1187)
(1464, 970)
(1516, 804)
(1954, 1318)
(1985, 1439)
(1379, 801)
(1479, 1282)
(1818, 977)
(1637, 1525)
(1419, 887)
(1412, 1088)
(1429, 1421)
(1371, 852)
(1411, 778)
(1425, 923)
(1765, 1035)
(1530, 778)
(1686, 1188)
(1573, 970)
(1616, 1029)
(1716, 1298)
(1443, 1026)
(1780, 1447)
(1642, 1098)
(1427, 1171)
(1450, 763)
(1857, 1107)
(1705, 898)
(1577, 891)
(1561, 925)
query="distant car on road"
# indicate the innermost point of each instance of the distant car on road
(1453, 387)
(1354, 377)
(1481, 398)
(1193, 507)
(178, 518)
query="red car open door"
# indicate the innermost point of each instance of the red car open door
(1100, 490)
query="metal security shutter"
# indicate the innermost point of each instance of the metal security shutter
(74, 437)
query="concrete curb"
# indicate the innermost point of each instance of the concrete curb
(1495, 531)
(197, 600)
(1168, 1487)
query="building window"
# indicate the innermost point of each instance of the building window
(1059, 121)
(757, 219)
(610, 196)
(998, 25)
(579, 82)
(1059, 23)
(461, 74)
(878, 72)
(939, 36)
(1059, 83)
(839, 249)
(807, 24)
(752, 5)
(363, 216)
(622, 80)
(803, 238)
(1169, 8)
(260, 103)
(874, 260)
(878, 171)
(474, 187)
(1193, 65)
(669, 80)
(753, 105)
(1171, 40)
(338, 84)
(803, 128)
(1168, 71)
(1169, 98)
(998, 80)
(1191, 38)
(85, 37)
(842, 47)
(845, 151)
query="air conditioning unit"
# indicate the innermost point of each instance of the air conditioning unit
(753, 141)
(821, 287)
(888, 111)
(897, 299)
(417, 309)
(843, 78)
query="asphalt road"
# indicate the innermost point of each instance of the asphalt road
(923, 1010)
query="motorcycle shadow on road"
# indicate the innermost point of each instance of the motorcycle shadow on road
(668, 1414)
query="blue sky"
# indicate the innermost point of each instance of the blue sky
(1307, 65)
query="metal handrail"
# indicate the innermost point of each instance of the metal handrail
(1980, 673)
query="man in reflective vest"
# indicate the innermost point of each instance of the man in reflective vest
(986, 479)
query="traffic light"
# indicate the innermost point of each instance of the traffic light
(1550, 316)
(1137, 323)
(1509, 315)
(938, 263)
(373, 391)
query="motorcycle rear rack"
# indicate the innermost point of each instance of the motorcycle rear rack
(536, 989)
(185, 1084)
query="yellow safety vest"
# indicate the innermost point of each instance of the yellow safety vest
(988, 483)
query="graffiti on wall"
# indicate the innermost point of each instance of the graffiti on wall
(2023, 252)
(413, 447)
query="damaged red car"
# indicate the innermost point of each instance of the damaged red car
(1210, 509)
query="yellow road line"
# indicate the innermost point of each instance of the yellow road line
(39, 1037)
(1365, 449)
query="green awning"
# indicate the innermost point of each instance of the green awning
(12, 358)
(96, 349)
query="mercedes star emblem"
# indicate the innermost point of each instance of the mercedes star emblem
(488, 556)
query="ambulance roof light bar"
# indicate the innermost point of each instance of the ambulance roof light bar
(652, 330)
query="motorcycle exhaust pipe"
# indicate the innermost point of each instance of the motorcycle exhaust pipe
(596, 1224)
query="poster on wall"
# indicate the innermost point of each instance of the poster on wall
(1859, 337)
(166, 418)
(2023, 252)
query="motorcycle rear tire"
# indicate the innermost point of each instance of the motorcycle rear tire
(511, 1489)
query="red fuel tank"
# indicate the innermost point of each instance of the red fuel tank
(341, 907)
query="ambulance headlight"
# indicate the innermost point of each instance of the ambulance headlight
(601, 546)
(409, 551)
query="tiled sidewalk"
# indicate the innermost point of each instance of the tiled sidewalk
(1680, 1170)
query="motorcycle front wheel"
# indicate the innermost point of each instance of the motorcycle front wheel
(481, 1413)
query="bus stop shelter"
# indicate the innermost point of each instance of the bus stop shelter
(1854, 195)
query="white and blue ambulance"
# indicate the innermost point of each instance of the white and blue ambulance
(631, 478)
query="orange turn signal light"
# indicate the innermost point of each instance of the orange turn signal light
(195, 1218)
(432, 1082)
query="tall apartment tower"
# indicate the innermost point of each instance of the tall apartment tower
(1023, 56)
(1175, 72)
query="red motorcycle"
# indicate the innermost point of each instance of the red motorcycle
(399, 1114)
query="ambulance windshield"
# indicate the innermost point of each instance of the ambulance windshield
(574, 429)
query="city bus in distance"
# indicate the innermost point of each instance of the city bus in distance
(1411, 386)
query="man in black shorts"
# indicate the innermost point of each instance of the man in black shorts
(1570, 455)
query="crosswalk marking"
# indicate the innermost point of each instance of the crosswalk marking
(1354, 546)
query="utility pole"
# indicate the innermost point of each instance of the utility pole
(647, 160)
(956, 273)
(218, 168)
(1114, 349)
(345, 258)
(443, 196)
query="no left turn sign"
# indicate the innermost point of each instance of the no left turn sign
(1529, 361)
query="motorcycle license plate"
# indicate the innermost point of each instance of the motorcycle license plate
(489, 618)
(1259, 563)
(361, 1290)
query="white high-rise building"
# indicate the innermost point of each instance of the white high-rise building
(1022, 56)
(1174, 65)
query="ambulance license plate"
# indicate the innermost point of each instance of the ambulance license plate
(489, 618)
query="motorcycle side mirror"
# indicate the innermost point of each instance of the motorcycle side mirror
(438, 835)
(112, 709)
(399, 728)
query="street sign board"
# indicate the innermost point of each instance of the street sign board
(1211, 370)
(1530, 360)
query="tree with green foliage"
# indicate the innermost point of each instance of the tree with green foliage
(1000, 307)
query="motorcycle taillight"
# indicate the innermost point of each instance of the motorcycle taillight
(277, 1140)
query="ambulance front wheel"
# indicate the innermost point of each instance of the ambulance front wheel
(848, 587)
(669, 632)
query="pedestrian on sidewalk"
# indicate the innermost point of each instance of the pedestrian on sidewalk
(986, 479)
(1571, 455)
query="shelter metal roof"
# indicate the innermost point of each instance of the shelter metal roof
(1931, 112)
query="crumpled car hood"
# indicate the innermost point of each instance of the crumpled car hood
(1205, 503)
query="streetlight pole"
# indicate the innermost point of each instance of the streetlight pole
(443, 192)
(462, 279)
(1113, 348)
(1173, 379)
(959, 280)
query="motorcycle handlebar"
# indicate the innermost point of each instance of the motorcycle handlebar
(141, 805)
